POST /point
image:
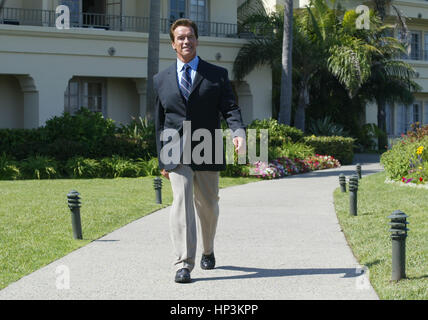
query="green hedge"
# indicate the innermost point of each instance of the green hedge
(278, 133)
(340, 148)
(86, 134)
(21, 143)
(41, 167)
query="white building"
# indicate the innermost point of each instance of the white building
(101, 61)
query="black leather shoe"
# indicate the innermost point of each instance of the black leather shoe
(208, 261)
(183, 276)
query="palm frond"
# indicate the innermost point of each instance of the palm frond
(255, 53)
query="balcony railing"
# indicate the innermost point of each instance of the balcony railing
(47, 18)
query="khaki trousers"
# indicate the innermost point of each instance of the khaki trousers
(193, 189)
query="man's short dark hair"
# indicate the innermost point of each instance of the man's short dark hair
(183, 22)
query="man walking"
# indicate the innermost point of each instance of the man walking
(196, 91)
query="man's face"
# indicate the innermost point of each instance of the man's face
(185, 43)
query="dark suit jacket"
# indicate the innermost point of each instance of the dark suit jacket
(211, 96)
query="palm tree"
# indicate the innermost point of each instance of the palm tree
(153, 55)
(388, 79)
(390, 82)
(265, 48)
(329, 49)
(286, 76)
(324, 46)
(380, 7)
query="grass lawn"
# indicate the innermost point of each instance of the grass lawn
(35, 227)
(369, 237)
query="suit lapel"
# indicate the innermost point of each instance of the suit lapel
(198, 76)
(172, 79)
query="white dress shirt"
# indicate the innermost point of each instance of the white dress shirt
(180, 69)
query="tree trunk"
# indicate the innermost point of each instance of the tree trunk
(286, 78)
(300, 116)
(381, 123)
(380, 7)
(153, 56)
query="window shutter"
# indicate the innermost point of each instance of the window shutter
(425, 113)
(400, 119)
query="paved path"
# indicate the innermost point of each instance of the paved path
(276, 239)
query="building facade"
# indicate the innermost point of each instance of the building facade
(400, 117)
(101, 61)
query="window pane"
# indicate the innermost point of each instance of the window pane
(74, 88)
(93, 96)
(74, 104)
(389, 119)
(71, 97)
(415, 46)
(178, 9)
(426, 46)
(198, 10)
(417, 116)
(94, 89)
(74, 6)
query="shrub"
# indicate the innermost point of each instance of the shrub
(79, 167)
(142, 134)
(417, 132)
(406, 159)
(339, 147)
(148, 168)
(116, 167)
(85, 133)
(326, 127)
(235, 170)
(291, 150)
(39, 167)
(21, 143)
(278, 133)
(8, 168)
(367, 137)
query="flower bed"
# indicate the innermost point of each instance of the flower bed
(407, 160)
(283, 166)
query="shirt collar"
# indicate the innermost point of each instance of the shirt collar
(193, 64)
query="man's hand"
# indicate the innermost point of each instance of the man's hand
(165, 174)
(239, 144)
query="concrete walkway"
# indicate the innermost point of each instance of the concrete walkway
(276, 239)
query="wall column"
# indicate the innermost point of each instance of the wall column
(245, 102)
(31, 102)
(141, 85)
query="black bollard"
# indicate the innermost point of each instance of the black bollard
(359, 171)
(157, 184)
(353, 190)
(398, 235)
(342, 182)
(74, 204)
